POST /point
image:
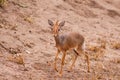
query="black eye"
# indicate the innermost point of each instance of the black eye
(51, 28)
(58, 29)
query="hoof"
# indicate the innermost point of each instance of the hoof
(60, 74)
(56, 70)
(69, 70)
(88, 71)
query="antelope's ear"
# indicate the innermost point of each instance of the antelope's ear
(50, 22)
(62, 23)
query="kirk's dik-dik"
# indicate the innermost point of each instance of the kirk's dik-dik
(65, 42)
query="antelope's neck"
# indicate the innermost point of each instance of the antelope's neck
(57, 41)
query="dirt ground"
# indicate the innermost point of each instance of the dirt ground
(27, 46)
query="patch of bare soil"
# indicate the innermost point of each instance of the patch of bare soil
(27, 46)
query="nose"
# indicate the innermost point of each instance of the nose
(55, 33)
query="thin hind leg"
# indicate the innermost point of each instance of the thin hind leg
(80, 50)
(74, 60)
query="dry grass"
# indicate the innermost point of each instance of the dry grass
(98, 50)
(96, 76)
(2, 3)
(115, 45)
(16, 58)
(24, 22)
(29, 19)
(101, 44)
(116, 60)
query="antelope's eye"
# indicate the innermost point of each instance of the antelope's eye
(58, 29)
(51, 28)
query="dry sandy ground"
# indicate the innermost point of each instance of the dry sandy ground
(25, 38)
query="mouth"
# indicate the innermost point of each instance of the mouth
(55, 34)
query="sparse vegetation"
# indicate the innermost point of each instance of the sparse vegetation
(27, 47)
(2, 3)
(115, 45)
(16, 58)
(28, 19)
(97, 51)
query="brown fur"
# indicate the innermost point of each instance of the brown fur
(66, 42)
(69, 41)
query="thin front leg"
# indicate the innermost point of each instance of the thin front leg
(56, 56)
(62, 63)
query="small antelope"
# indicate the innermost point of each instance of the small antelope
(66, 42)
